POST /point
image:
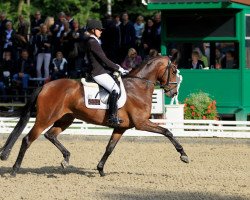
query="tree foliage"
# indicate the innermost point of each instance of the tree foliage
(80, 9)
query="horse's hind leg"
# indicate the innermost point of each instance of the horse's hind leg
(54, 131)
(115, 137)
(26, 142)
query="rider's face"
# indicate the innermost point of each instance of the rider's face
(98, 33)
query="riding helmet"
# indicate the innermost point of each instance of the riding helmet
(94, 24)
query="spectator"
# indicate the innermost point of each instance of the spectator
(7, 65)
(139, 28)
(3, 21)
(24, 68)
(218, 58)
(49, 22)
(57, 31)
(148, 37)
(202, 57)
(196, 63)
(117, 20)
(127, 36)
(152, 53)
(35, 23)
(65, 38)
(9, 40)
(59, 67)
(75, 57)
(229, 61)
(132, 60)
(157, 28)
(43, 43)
(2, 86)
(22, 32)
(70, 19)
(110, 40)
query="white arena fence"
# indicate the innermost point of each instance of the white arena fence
(185, 128)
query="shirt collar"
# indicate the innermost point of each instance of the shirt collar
(93, 36)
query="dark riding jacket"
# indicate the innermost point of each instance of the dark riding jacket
(98, 60)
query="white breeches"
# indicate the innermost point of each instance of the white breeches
(106, 81)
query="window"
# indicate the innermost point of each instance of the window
(214, 55)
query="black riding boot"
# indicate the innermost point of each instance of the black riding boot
(113, 120)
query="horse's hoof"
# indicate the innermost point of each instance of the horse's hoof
(101, 172)
(184, 159)
(13, 174)
(4, 155)
(64, 164)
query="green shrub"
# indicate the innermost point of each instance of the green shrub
(200, 106)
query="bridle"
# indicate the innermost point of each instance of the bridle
(166, 87)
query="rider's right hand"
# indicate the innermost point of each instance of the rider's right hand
(123, 71)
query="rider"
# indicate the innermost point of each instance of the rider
(101, 67)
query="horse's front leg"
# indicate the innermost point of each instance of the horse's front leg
(152, 127)
(115, 137)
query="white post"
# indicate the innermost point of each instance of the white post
(175, 112)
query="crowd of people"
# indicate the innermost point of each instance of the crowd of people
(50, 48)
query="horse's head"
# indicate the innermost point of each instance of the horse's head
(167, 77)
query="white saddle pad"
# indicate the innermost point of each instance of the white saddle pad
(97, 98)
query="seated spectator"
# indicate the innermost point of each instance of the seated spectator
(59, 67)
(2, 86)
(24, 69)
(7, 66)
(218, 58)
(202, 57)
(196, 63)
(229, 61)
(152, 53)
(132, 60)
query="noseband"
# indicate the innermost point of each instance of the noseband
(166, 87)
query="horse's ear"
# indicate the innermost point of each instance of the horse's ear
(175, 58)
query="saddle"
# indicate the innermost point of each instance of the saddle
(96, 97)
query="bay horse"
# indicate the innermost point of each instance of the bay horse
(61, 101)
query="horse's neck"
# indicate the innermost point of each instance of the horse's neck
(146, 74)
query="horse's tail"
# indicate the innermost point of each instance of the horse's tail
(24, 119)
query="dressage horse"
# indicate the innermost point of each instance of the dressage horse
(59, 102)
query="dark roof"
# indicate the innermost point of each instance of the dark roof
(247, 2)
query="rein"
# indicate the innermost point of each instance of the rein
(148, 82)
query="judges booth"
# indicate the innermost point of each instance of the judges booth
(220, 31)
